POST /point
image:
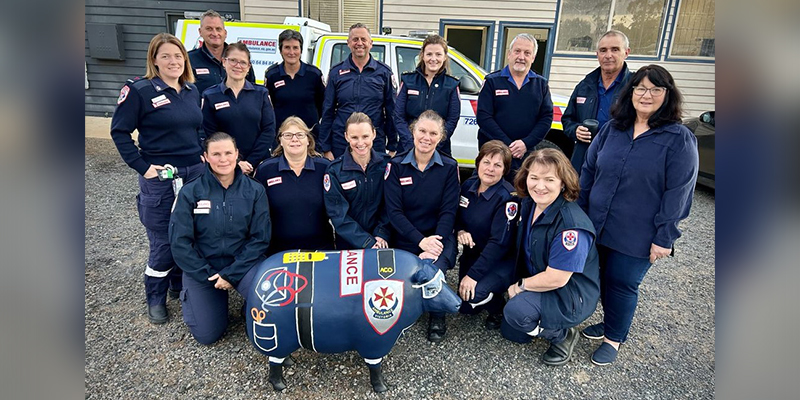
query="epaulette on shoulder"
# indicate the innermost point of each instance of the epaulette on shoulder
(135, 79)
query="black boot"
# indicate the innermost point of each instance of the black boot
(493, 321)
(276, 377)
(376, 379)
(437, 327)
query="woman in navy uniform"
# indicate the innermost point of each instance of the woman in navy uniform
(240, 109)
(636, 185)
(293, 179)
(421, 192)
(556, 258)
(295, 87)
(354, 189)
(219, 230)
(429, 87)
(164, 107)
(486, 210)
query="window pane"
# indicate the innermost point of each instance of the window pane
(641, 21)
(694, 33)
(341, 51)
(456, 70)
(406, 59)
(580, 24)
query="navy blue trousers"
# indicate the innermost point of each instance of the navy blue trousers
(495, 283)
(154, 203)
(205, 308)
(522, 314)
(620, 277)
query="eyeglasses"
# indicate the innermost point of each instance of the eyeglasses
(288, 135)
(654, 91)
(234, 62)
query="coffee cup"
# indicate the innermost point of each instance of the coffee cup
(592, 125)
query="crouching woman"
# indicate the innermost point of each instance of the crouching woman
(219, 229)
(556, 259)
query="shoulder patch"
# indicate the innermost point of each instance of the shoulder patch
(511, 210)
(326, 182)
(388, 170)
(569, 239)
(123, 94)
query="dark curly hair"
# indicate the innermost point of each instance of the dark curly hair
(623, 113)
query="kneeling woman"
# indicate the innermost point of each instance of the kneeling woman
(556, 258)
(219, 230)
(486, 212)
(421, 193)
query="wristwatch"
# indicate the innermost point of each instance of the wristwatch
(521, 284)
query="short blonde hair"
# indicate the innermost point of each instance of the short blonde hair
(152, 51)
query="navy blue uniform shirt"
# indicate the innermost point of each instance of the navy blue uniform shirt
(488, 218)
(564, 228)
(248, 118)
(507, 114)
(590, 100)
(168, 123)
(216, 230)
(296, 204)
(416, 96)
(354, 200)
(369, 91)
(637, 190)
(300, 96)
(420, 203)
(208, 71)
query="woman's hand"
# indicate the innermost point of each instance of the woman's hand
(380, 243)
(220, 283)
(152, 172)
(246, 167)
(657, 252)
(328, 155)
(465, 238)
(467, 288)
(425, 255)
(432, 244)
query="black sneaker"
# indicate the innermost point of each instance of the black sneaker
(559, 353)
(493, 321)
(437, 327)
(157, 314)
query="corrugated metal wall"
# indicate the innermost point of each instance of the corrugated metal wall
(140, 20)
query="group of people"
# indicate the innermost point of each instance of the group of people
(231, 172)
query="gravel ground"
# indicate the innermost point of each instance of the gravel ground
(670, 352)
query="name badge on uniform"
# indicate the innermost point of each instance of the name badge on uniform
(463, 202)
(279, 84)
(201, 71)
(406, 181)
(203, 207)
(344, 71)
(274, 181)
(224, 104)
(412, 92)
(501, 92)
(159, 101)
(580, 100)
(349, 185)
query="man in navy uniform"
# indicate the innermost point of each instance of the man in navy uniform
(514, 105)
(207, 59)
(359, 83)
(594, 95)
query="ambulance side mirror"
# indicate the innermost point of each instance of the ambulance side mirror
(468, 85)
